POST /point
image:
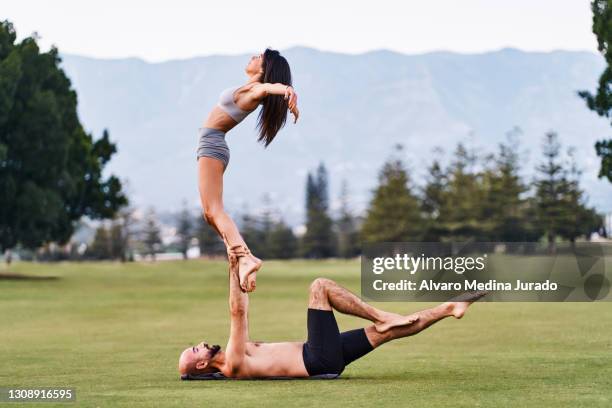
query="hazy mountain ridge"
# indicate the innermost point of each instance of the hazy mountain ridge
(354, 109)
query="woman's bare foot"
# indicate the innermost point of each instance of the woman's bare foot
(460, 304)
(248, 265)
(251, 284)
(391, 320)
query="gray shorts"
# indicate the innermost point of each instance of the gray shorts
(212, 144)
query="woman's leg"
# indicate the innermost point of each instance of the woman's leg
(211, 195)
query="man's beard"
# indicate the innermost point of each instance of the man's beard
(214, 350)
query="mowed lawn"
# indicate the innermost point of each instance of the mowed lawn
(114, 332)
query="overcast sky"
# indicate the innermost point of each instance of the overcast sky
(162, 30)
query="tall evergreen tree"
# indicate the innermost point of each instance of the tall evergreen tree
(184, 230)
(208, 240)
(580, 220)
(318, 241)
(151, 234)
(127, 223)
(50, 168)
(101, 245)
(282, 243)
(267, 224)
(433, 202)
(267, 216)
(505, 202)
(348, 236)
(551, 189)
(461, 214)
(253, 234)
(601, 102)
(393, 213)
(117, 241)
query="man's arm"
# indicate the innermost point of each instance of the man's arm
(239, 327)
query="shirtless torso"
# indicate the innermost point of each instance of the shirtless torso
(271, 360)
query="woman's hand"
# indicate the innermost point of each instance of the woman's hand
(291, 96)
(296, 113)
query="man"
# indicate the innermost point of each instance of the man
(327, 351)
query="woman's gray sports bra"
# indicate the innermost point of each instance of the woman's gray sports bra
(227, 104)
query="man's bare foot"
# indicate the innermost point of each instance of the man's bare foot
(248, 265)
(459, 304)
(391, 320)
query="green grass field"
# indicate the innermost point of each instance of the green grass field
(114, 332)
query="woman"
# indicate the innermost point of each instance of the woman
(269, 84)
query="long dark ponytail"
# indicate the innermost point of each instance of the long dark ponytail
(273, 115)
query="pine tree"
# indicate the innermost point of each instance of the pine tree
(461, 214)
(267, 217)
(252, 232)
(434, 196)
(505, 204)
(282, 243)
(580, 220)
(127, 222)
(100, 247)
(394, 212)
(208, 240)
(348, 236)
(184, 230)
(318, 241)
(551, 186)
(151, 234)
(266, 226)
(117, 240)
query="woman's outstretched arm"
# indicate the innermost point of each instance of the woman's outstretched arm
(260, 91)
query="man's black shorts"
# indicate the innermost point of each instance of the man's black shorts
(328, 351)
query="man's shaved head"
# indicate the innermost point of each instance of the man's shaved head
(199, 359)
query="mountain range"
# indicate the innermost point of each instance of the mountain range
(354, 110)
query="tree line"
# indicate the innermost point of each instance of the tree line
(473, 197)
(483, 199)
